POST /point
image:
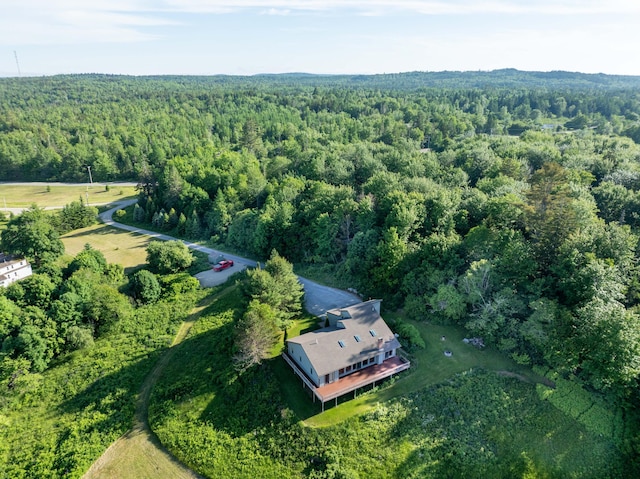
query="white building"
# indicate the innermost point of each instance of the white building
(12, 269)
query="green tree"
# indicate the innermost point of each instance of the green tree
(106, 307)
(32, 235)
(30, 345)
(606, 345)
(448, 303)
(76, 215)
(193, 229)
(390, 251)
(138, 213)
(166, 257)
(551, 215)
(38, 290)
(145, 287)
(256, 335)
(278, 286)
(88, 258)
(9, 316)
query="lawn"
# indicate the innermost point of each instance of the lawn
(23, 196)
(429, 366)
(447, 417)
(118, 246)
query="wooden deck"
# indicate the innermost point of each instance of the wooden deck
(353, 381)
(362, 377)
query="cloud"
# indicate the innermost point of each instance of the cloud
(110, 21)
(72, 21)
(426, 7)
(276, 11)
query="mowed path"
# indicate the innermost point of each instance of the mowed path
(139, 453)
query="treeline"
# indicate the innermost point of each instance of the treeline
(77, 339)
(52, 128)
(65, 306)
(512, 212)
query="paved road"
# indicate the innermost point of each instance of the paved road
(317, 299)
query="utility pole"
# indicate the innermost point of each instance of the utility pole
(89, 169)
(15, 54)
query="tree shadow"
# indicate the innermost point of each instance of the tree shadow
(202, 368)
(102, 230)
(97, 415)
(112, 395)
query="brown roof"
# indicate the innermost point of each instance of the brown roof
(360, 335)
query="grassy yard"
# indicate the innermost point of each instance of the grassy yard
(118, 246)
(447, 417)
(18, 196)
(429, 366)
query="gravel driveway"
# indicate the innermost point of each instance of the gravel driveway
(212, 278)
(318, 299)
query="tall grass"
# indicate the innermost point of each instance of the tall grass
(474, 423)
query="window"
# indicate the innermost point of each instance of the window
(357, 338)
(341, 343)
(373, 333)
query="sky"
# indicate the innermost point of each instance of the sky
(246, 37)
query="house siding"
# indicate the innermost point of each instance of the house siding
(299, 356)
(13, 270)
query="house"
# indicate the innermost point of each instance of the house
(356, 349)
(12, 269)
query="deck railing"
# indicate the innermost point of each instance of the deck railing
(352, 387)
(405, 364)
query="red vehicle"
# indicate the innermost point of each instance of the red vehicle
(224, 264)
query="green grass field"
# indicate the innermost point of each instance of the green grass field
(23, 196)
(118, 246)
(429, 366)
(447, 417)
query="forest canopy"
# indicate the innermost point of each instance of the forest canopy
(505, 202)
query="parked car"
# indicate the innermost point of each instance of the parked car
(224, 264)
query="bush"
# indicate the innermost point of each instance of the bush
(409, 335)
(145, 287)
(174, 285)
(79, 338)
(120, 214)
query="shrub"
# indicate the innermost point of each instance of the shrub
(409, 335)
(79, 338)
(145, 287)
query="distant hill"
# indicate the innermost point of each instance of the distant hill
(497, 79)
(505, 78)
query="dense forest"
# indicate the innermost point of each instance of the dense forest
(504, 202)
